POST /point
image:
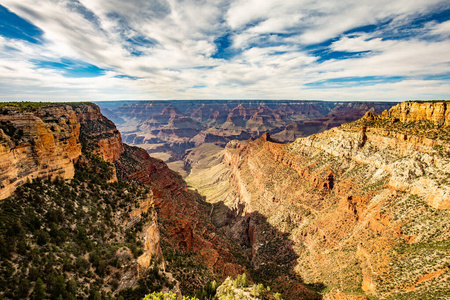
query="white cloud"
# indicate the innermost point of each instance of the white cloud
(361, 43)
(176, 43)
(442, 29)
(402, 58)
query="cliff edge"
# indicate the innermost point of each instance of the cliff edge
(45, 140)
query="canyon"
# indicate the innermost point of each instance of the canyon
(361, 209)
(334, 201)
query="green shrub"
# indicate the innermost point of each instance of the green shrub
(166, 296)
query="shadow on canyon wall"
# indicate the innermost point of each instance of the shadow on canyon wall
(269, 253)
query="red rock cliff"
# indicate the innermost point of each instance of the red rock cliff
(187, 227)
(98, 134)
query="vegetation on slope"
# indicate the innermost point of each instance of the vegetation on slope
(29, 105)
(423, 128)
(73, 240)
(230, 289)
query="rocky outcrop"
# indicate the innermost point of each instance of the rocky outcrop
(187, 227)
(437, 112)
(98, 134)
(37, 144)
(45, 141)
(360, 209)
(152, 240)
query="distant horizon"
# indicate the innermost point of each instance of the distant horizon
(236, 49)
(224, 100)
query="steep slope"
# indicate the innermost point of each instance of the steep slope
(45, 140)
(80, 237)
(362, 208)
(195, 253)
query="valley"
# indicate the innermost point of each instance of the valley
(224, 150)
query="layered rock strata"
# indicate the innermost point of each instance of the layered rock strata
(362, 207)
(44, 142)
(168, 128)
(37, 145)
(186, 224)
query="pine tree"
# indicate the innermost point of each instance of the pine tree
(39, 290)
(60, 288)
(97, 296)
(244, 280)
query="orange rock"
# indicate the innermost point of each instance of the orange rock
(31, 148)
(437, 112)
(432, 275)
(339, 295)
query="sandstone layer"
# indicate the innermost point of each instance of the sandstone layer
(37, 145)
(44, 142)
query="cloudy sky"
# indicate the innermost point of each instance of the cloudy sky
(231, 49)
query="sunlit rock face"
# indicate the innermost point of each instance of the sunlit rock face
(42, 143)
(436, 112)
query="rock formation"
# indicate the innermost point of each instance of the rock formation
(51, 140)
(98, 134)
(45, 142)
(436, 112)
(37, 145)
(186, 226)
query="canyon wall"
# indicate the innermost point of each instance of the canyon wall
(185, 224)
(168, 128)
(37, 145)
(436, 112)
(359, 210)
(98, 134)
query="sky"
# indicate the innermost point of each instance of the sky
(66, 50)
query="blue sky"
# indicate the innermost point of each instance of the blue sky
(232, 49)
